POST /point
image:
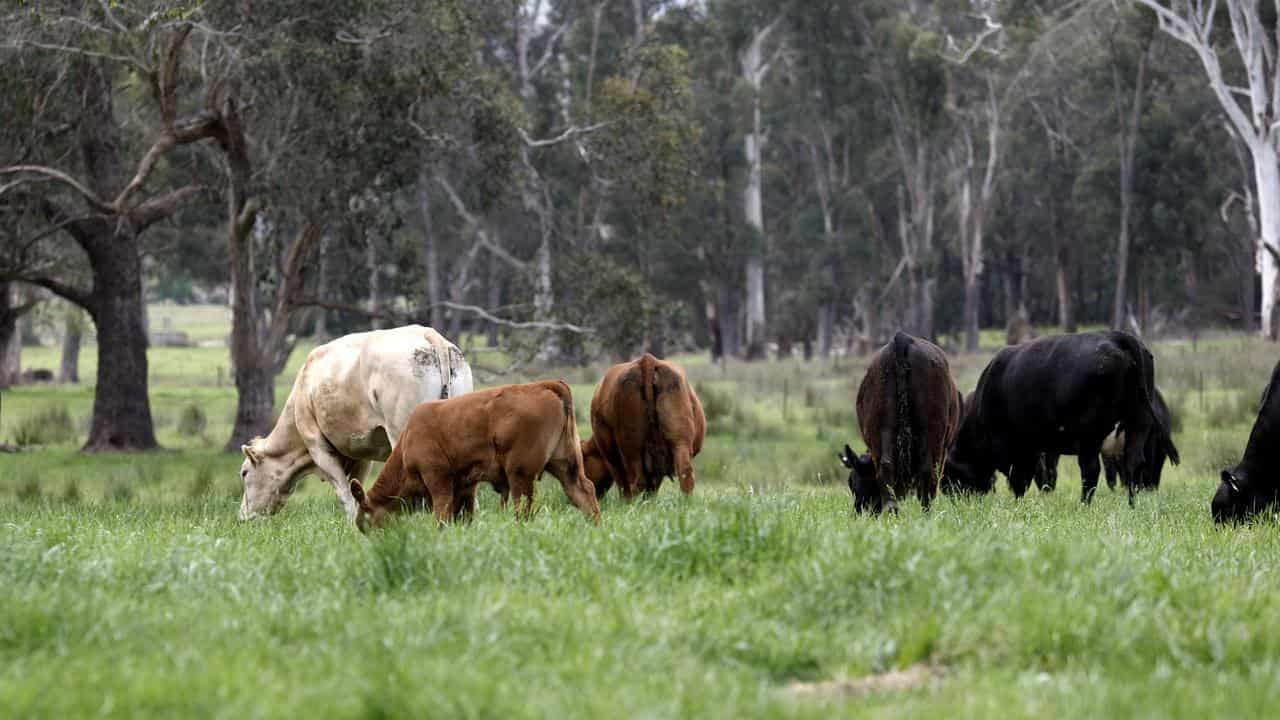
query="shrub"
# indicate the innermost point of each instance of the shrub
(201, 483)
(47, 426)
(28, 489)
(192, 421)
(1233, 408)
(119, 490)
(718, 405)
(71, 493)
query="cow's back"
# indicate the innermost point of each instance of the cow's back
(362, 387)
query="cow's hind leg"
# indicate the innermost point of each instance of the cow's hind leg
(926, 481)
(1090, 468)
(684, 467)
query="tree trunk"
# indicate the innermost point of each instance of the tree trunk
(1066, 305)
(494, 290)
(121, 404)
(375, 279)
(1267, 177)
(727, 313)
(255, 404)
(754, 68)
(73, 323)
(430, 255)
(320, 331)
(1122, 259)
(10, 339)
(826, 328)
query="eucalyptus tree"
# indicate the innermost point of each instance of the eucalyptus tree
(1255, 75)
(108, 174)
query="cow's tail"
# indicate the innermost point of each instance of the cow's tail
(904, 435)
(656, 460)
(570, 442)
(1142, 374)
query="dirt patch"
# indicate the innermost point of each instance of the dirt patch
(910, 678)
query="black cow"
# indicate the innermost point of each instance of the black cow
(1055, 396)
(908, 412)
(1254, 485)
(1159, 448)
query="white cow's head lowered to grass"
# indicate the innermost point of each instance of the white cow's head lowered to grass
(267, 481)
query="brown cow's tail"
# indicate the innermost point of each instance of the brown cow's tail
(569, 438)
(904, 433)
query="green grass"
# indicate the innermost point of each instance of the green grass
(128, 589)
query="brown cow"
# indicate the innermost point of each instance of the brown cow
(506, 436)
(908, 411)
(647, 424)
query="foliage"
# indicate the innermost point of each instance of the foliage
(48, 426)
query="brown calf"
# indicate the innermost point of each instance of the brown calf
(647, 424)
(909, 411)
(506, 437)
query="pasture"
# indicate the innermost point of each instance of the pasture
(129, 589)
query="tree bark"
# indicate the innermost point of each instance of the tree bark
(10, 339)
(727, 314)
(430, 255)
(1066, 303)
(73, 331)
(375, 278)
(320, 331)
(1267, 178)
(754, 69)
(121, 404)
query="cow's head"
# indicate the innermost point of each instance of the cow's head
(868, 491)
(368, 515)
(1238, 499)
(267, 481)
(595, 467)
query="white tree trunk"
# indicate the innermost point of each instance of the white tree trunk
(754, 70)
(1267, 176)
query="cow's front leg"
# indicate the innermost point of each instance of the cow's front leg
(1090, 468)
(333, 469)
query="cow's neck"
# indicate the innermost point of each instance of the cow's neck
(284, 443)
(389, 486)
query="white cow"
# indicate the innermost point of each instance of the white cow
(347, 407)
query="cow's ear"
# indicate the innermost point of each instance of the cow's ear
(357, 491)
(251, 454)
(1233, 482)
(847, 457)
(863, 462)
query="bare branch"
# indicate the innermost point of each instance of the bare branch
(990, 28)
(163, 206)
(81, 51)
(571, 132)
(531, 325)
(90, 196)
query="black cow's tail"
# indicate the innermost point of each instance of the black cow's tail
(904, 431)
(1142, 374)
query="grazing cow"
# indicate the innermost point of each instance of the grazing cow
(1058, 396)
(908, 412)
(348, 405)
(1254, 485)
(506, 436)
(1159, 447)
(646, 424)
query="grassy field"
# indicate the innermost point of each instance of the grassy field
(128, 589)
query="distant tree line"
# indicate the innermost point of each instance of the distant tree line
(571, 179)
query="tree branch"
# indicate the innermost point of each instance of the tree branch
(571, 132)
(90, 196)
(163, 206)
